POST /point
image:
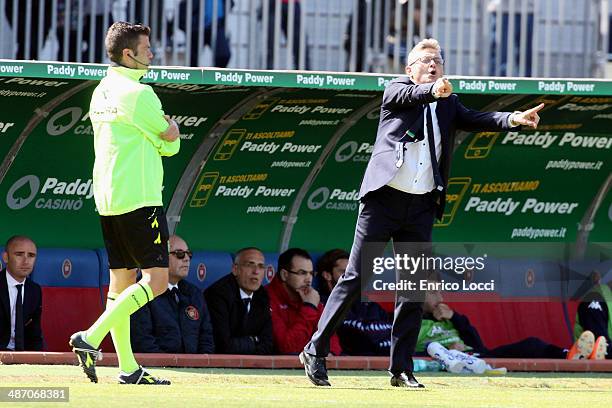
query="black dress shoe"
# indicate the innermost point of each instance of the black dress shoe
(405, 380)
(315, 369)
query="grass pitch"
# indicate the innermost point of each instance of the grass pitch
(290, 388)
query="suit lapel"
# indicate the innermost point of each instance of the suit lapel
(28, 300)
(442, 115)
(4, 296)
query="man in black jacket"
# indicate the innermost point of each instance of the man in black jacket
(177, 321)
(366, 329)
(403, 190)
(239, 307)
(20, 298)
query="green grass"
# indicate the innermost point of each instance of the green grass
(290, 388)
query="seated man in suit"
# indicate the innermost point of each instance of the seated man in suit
(20, 298)
(239, 307)
(177, 321)
(294, 304)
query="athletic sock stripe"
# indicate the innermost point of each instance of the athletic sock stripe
(145, 291)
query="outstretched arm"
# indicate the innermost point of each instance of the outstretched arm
(529, 117)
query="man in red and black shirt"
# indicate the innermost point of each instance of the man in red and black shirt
(294, 304)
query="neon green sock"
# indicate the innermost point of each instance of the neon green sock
(121, 340)
(129, 301)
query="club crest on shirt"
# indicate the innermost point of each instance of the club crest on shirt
(192, 313)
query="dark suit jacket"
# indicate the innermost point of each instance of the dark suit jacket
(402, 110)
(233, 333)
(163, 326)
(32, 310)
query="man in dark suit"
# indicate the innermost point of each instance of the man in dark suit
(403, 189)
(177, 321)
(20, 298)
(239, 307)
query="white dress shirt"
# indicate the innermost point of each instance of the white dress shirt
(415, 176)
(12, 290)
(243, 295)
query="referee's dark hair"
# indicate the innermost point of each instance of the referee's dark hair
(122, 35)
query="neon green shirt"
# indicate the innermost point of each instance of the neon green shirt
(127, 119)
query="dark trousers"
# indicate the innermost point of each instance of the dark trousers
(531, 347)
(385, 214)
(221, 50)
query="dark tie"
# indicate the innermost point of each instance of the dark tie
(432, 150)
(19, 319)
(175, 295)
(247, 302)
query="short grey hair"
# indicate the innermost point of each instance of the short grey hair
(427, 43)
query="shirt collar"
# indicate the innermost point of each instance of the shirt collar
(11, 281)
(244, 295)
(134, 74)
(171, 286)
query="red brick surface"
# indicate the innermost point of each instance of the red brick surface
(243, 361)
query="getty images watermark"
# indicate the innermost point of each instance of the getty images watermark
(410, 265)
(485, 272)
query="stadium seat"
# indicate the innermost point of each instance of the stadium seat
(207, 267)
(71, 299)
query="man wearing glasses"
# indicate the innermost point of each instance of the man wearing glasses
(177, 321)
(403, 190)
(294, 304)
(239, 307)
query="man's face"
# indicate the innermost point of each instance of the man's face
(426, 67)
(337, 271)
(301, 274)
(432, 299)
(178, 268)
(20, 258)
(143, 53)
(249, 270)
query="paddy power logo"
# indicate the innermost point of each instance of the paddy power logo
(353, 151)
(52, 196)
(22, 192)
(335, 200)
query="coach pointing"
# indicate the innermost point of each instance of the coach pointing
(403, 189)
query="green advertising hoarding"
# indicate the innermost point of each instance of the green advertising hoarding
(276, 158)
(253, 175)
